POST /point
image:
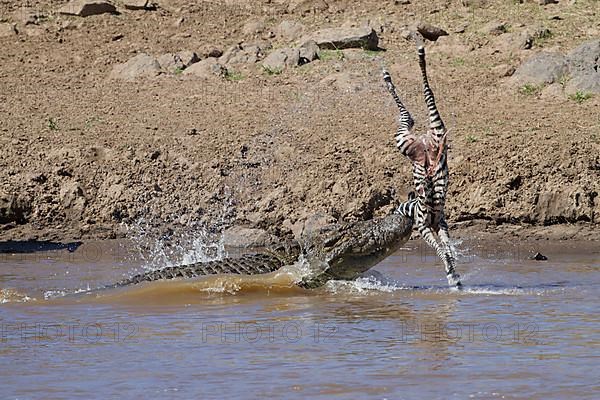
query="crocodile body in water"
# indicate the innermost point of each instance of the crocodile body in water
(340, 251)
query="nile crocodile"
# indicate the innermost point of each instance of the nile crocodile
(341, 251)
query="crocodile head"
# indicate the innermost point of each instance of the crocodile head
(345, 251)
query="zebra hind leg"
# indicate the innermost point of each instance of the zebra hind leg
(451, 275)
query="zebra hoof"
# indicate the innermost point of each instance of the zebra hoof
(454, 280)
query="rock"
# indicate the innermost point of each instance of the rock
(188, 57)
(85, 8)
(289, 30)
(73, 199)
(503, 70)
(538, 257)
(545, 2)
(173, 62)
(411, 34)
(344, 38)
(494, 28)
(539, 32)
(512, 41)
(253, 27)
(461, 28)
(244, 54)
(207, 68)
(140, 66)
(7, 30)
(238, 236)
(540, 69)
(553, 91)
(308, 52)
(154, 155)
(138, 5)
(584, 68)
(475, 3)
(307, 6)
(430, 32)
(13, 209)
(282, 58)
(210, 51)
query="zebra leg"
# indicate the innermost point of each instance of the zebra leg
(449, 249)
(445, 238)
(435, 120)
(451, 275)
(404, 135)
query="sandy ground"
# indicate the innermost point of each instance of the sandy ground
(83, 156)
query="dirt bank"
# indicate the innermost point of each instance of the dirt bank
(83, 154)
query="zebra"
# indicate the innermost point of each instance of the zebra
(428, 154)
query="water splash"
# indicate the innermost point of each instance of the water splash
(163, 242)
(13, 296)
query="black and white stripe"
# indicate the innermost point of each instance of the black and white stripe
(428, 154)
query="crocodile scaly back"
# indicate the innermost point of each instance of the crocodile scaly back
(252, 264)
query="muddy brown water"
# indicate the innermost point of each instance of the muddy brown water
(521, 329)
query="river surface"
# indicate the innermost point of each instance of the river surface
(520, 329)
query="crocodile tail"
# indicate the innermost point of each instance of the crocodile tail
(246, 265)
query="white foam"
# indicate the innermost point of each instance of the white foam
(362, 285)
(13, 296)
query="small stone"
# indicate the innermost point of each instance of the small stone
(210, 51)
(207, 68)
(345, 38)
(173, 62)
(248, 53)
(494, 28)
(430, 32)
(85, 8)
(138, 5)
(141, 65)
(538, 257)
(154, 155)
(410, 34)
(73, 199)
(282, 58)
(461, 28)
(39, 178)
(511, 42)
(308, 52)
(503, 70)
